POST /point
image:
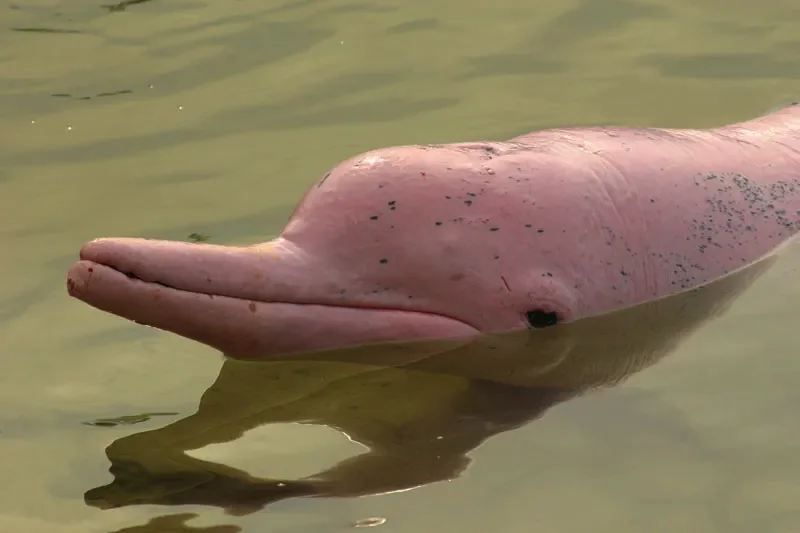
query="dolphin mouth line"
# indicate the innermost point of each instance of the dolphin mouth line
(133, 278)
(131, 275)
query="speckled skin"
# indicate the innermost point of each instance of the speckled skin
(451, 240)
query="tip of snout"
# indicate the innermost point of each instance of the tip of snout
(78, 276)
(92, 254)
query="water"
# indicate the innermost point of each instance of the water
(164, 119)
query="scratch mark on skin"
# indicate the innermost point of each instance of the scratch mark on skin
(793, 150)
(323, 179)
(505, 283)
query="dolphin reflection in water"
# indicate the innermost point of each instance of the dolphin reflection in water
(418, 407)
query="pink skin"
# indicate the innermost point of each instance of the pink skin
(450, 241)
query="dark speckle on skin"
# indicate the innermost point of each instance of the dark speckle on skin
(467, 202)
(494, 229)
(730, 224)
(437, 223)
(392, 205)
(374, 217)
(611, 237)
(383, 261)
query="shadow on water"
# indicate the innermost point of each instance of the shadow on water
(176, 523)
(419, 408)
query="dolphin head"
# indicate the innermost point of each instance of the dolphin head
(410, 242)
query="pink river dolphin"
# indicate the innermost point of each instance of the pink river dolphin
(458, 240)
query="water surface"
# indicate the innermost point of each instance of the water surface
(166, 119)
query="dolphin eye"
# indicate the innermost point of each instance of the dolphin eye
(539, 318)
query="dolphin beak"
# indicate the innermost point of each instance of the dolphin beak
(248, 302)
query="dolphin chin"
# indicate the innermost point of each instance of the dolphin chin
(216, 295)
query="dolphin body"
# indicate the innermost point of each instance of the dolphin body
(453, 241)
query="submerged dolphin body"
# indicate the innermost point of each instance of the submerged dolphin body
(455, 240)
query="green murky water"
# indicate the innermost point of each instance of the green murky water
(167, 119)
